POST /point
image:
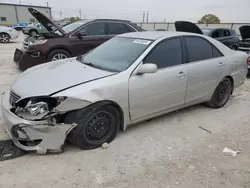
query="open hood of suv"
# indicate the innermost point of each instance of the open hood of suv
(245, 31)
(45, 21)
(189, 27)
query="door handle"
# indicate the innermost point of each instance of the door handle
(181, 74)
(220, 64)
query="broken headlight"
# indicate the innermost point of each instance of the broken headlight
(38, 106)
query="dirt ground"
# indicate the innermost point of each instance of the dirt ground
(167, 152)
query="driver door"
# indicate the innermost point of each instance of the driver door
(93, 35)
(165, 90)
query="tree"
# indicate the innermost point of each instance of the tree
(209, 19)
(74, 19)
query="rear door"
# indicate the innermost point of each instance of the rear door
(205, 68)
(117, 28)
(96, 34)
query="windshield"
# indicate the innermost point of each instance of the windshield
(117, 54)
(72, 26)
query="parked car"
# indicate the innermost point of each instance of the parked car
(161, 30)
(72, 40)
(34, 30)
(128, 79)
(225, 36)
(245, 35)
(20, 26)
(7, 34)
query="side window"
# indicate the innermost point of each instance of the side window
(3, 19)
(216, 52)
(216, 34)
(198, 49)
(116, 28)
(94, 29)
(166, 54)
(226, 33)
(129, 28)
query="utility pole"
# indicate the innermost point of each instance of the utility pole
(80, 12)
(47, 4)
(20, 2)
(143, 17)
(147, 16)
(60, 14)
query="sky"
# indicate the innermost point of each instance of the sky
(159, 10)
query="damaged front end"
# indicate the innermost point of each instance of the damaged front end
(37, 123)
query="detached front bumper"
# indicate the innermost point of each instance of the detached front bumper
(14, 35)
(27, 59)
(39, 136)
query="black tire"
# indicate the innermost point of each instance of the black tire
(234, 47)
(221, 94)
(57, 52)
(4, 38)
(96, 125)
(33, 33)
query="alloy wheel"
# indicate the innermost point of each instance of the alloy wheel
(58, 57)
(4, 38)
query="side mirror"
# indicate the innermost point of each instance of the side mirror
(147, 68)
(81, 34)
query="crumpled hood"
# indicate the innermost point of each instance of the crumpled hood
(54, 76)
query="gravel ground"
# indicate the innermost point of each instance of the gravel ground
(169, 151)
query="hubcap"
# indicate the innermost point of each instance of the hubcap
(4, 38)
(223, 92)
(98, 126)
(59, 56)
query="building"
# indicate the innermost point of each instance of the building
(17, 13)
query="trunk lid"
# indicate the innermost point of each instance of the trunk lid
(189, 27)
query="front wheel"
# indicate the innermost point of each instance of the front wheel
(59, 54)
(221, 94)
(4, 38)
(96, 125)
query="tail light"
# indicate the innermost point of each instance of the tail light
(248, 60)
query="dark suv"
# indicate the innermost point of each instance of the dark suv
(69, 41)
(226, 36)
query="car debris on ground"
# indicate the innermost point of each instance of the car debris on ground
(230, 152)
(8, 150)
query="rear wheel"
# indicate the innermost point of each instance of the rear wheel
(96, 125)
(56, 55)
(221, 94)
(4, 38)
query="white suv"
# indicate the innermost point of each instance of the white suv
(7, 34)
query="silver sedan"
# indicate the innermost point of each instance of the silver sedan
(130, 78)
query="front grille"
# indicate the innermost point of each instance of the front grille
(25, 43)
(13, 98)
(245, 44)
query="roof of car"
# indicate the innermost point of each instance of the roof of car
(211, 29)
(154, 35)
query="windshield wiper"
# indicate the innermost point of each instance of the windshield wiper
(80, 58)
